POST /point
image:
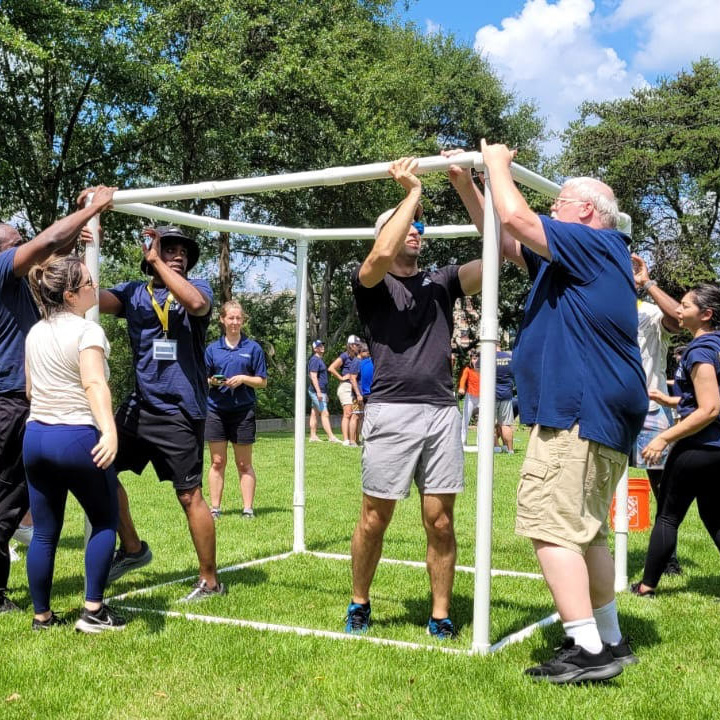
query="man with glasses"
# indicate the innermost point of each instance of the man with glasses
(412, 425)
(581, 388)
(18, 314)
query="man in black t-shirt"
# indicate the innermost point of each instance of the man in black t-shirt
(412, 425)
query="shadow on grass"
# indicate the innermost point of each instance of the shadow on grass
(636, 561)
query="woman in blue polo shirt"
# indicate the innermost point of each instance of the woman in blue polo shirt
(693, 466)
(236, 368)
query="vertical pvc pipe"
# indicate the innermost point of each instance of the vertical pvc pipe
(300, 395)
(621, 533)
(486, 425)
(92, 260)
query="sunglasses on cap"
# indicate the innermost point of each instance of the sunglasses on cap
(419, 226)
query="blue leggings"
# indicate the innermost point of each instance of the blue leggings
(57, 459)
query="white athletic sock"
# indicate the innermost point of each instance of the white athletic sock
(585, 633)
(608, 625)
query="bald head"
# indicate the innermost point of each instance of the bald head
(599, 194)
(9, 237)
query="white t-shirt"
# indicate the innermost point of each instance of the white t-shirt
(653, 339)
(52, 352)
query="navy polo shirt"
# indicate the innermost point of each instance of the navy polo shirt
(317, 365)
(576, 357)
(503, 376)
(246, 358)
(346, 363)
(167, 386)
(18, 313)
(702, 350)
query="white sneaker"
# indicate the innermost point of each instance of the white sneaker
(23, 534)
(346, 443)
(14, 557)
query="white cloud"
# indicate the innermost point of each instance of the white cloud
(672, 34)
(550, 52)
(432, 28)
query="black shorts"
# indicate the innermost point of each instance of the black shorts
(237, 427)
(172, 443)
(14, 502)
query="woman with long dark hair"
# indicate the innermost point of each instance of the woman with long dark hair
(70, 441)
(693, 466)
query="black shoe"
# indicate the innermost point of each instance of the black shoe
(574, 664)
(52, 621)
(673, 567)
(123, 562)
(6, 604)
(635, 590)
(100, 620)
(622, 652)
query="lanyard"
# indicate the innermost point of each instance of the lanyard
(164, 312)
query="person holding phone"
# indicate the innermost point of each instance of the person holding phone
(236, 367)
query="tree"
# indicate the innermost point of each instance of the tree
(660, 151)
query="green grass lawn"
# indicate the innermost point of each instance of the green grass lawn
(167, 667)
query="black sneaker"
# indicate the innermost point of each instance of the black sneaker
(52, 621)
(6, 604)
(202, 590)
(622, 652)
(574, 664)
(100, 620)
(635, 590)
(124, 562)
(673, 567)
(357, 619)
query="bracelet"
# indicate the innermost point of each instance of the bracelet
(646, 287)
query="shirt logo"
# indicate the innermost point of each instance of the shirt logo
(247, 355)
(426, 281)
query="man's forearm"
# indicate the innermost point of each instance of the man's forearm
(182, 289)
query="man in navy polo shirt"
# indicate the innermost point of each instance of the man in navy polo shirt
(504, 417)
(162, 421)
(581, 387)
(18, 314)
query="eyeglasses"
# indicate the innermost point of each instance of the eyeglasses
(419, 226)
(559, 201)
(88, 283)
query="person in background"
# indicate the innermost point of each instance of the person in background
(236, 367)
(70, 441)
(318, 389)
(18, 313)
(657, 321)
(340, 369)
(359, 399)
(469, 391)
(504, 416)
(693, 466)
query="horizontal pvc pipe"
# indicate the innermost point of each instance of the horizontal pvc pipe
(525, 633)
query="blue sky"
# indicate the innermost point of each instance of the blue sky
(561, 52)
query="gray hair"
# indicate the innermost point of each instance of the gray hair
(600, 195)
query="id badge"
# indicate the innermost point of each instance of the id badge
(165, 349)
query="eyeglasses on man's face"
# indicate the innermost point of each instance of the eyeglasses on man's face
(560, 201)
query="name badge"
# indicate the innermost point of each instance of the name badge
(165, 349)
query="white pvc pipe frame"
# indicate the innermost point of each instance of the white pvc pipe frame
(134, 202)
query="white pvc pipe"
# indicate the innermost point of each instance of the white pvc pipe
(300, 395)
(486, 425)
(621, 533)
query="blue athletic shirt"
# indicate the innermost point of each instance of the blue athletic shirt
(317, 365)
(166, 386)
(18, 314)
(704, 349)
(367, 370)
(503, 376)
(576, 357)
(246, 358)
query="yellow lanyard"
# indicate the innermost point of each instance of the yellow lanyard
(164, 312)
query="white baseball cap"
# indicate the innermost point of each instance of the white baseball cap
(353, 340)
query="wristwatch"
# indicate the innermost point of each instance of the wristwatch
(646, 287)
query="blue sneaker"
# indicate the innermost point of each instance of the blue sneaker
(441, 629)
(358, 618)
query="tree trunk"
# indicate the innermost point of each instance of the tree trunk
(325, 299)
(225, 273)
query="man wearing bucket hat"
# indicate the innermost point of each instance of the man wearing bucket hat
(162, 420)
(412, 425)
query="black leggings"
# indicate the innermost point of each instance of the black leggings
(689, 473)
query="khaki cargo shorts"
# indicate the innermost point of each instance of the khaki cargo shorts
(345, 393)
(566, 488)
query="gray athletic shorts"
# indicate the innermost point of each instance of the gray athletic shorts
(504, 412)
(411, 441)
